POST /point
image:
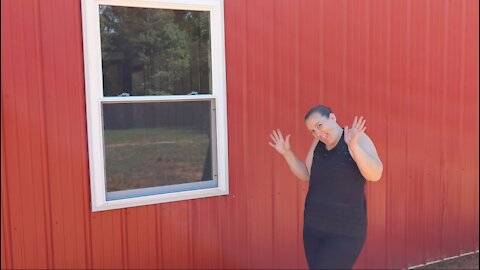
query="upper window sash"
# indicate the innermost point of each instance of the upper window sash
(92, 41)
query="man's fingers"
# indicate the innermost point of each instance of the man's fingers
(358, 123)
(355, 119)
(280, 134)
(275, 135)
(288, 138)
(273, 138)
(271, 144)
(361, 122)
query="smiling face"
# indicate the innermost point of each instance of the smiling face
(323, 128)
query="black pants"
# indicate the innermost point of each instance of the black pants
(331, 251)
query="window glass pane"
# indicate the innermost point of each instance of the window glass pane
(157, 144)
(151, 52)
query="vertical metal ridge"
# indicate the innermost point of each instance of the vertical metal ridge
(221, 221)
(463, 205)
(444, 113)
(235, 30)
(23, 166)
(65, 128)
(151, 235)
(245, 108)
(244, 89)
(367, 53)
(49, 226)
(266, 43)
(78, 138)
(297, 117)
(344, 62)
(59, 106)
(271, 121)
(191, 250)
(274, 124)
(5, 257)
(475, 85)
(246, 139)
(388, 89)
(398, 112)
(125, 240)
(408, 89)
(5, 200)
(53, 151)
(43, 139)
(28, 162)
(80, 109)
(21, 241)
(158, 237)
(428, 109)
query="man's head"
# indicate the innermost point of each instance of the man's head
(322, 124)
(322, 110)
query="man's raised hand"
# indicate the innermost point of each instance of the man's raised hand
(281, 145)
(351, 135)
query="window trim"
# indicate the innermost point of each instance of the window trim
(94, 99)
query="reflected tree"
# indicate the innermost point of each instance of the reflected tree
(154, 51)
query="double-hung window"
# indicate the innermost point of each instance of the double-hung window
(156, 101)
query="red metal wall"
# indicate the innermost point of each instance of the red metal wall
(410, 67)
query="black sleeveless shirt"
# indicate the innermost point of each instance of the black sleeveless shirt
(335, 200)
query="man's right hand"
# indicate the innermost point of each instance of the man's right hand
(281, 145)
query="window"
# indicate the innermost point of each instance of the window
(156, 101)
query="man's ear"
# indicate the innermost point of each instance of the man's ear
(333, 117)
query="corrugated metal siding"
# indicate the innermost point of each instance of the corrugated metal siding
(410, 67)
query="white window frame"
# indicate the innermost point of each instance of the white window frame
(94, 99)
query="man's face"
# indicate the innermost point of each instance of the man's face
(322, 128)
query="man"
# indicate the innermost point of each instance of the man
(337, 165)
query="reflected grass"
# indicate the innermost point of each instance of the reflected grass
(138, 158)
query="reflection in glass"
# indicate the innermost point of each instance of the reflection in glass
(151, 52)
(157, 144)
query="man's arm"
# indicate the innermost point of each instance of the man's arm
(365, 155)
(299, 168)
(363, 150)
